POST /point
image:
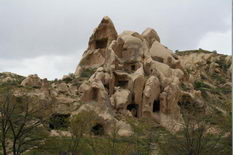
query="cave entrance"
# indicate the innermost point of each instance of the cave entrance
(133, 108)
(133, 67)
(102, 43)
(122, 83)
(59, 121)
(156, 106)
(121, 80)
(106, 86)
(98, 130)
(95, 94)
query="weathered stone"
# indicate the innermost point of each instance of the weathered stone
(133, 75)
(150, 35)
(32, 81)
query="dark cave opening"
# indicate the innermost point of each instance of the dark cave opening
(98, 130)
(122, 83)
(106, 86)
(95, 94)
(101, 43)
(156, 106)
(133, 108)
(133, 67)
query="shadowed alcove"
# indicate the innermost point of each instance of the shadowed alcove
(133, 108)
(156, 106)
(102, 43)
(98, 130)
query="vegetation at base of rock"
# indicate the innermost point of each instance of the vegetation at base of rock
(142, 99)
(182, 53)
(10, 79)
(199, 85)
(218, 78)
(222, 63)
(84, 141)
(86, 73)
(21, 126)
(195, 137)
(198, 136)
(59, 122)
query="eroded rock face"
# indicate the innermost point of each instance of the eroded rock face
(101, 38)
(106, 119)
(32, 81)
(150, 35)
(131, 75)
(137, 74)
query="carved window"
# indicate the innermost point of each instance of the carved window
(156, 106)
(102, 43)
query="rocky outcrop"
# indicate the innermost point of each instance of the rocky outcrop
(140, 77)
(101, 38)
(132, 75)
(32, 81)
(136, 73)
(106, 119)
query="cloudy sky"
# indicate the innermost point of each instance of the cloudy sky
(48, 37)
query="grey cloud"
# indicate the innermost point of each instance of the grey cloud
(33, 28)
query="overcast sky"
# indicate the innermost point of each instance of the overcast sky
(48, 37)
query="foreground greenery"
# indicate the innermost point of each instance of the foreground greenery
(25, 130)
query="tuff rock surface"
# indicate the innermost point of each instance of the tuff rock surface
(132, 75)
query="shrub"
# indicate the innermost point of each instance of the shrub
(86, 73)
(59, 121)
(198, 85)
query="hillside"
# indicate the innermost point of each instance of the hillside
(125, 78)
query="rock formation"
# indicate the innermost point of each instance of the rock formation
(132, 75)
(135, 72)
(139, 76)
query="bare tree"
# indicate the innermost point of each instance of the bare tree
(145, 135)
(80, 125)
(21, 122)
(6, 109)
(198, 136)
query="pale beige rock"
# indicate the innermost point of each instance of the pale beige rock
(59, 133)
(213, 67)
(103, 35)
(150, 35)
(7, 80)
(140, 77)
(138, 80)
(32, 81)
(134, 76)
(92, 91)
(151, 93)
(169, 99)
(228, 60)
(101, 38)
(161, 54)
(133, 47)
(62, 88)
(121, 98)
(106, 118)
(127, 60)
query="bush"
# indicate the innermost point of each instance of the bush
(198, 85)
(222, 63)
(58, 121)
(86, 73)
(218, 77)
(195, 137)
